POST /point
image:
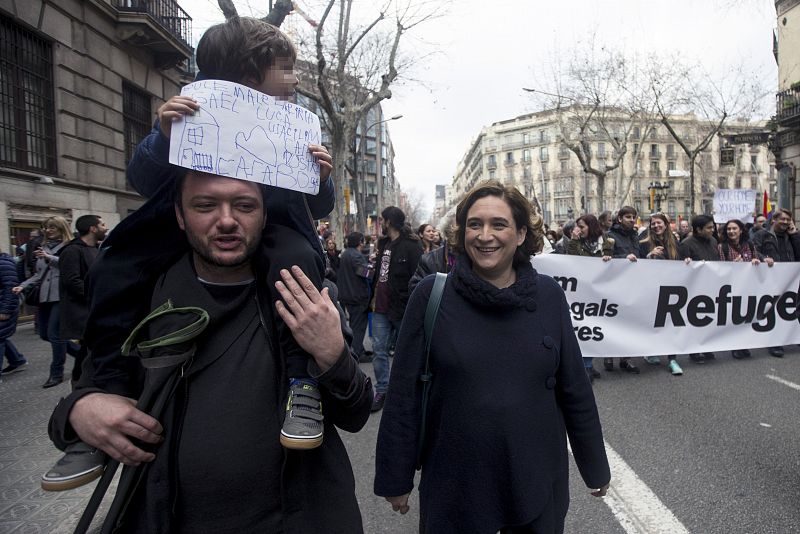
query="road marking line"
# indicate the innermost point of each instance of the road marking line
(637, 509)
(780, 380)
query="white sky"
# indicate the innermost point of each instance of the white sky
(490, 49)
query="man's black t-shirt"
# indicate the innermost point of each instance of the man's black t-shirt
(229, 458)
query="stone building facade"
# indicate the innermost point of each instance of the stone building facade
(526, 151)
(787, 114)
(80, 81)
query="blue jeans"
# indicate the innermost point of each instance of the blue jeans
(381, 334)
(48, 325)
(11, 353)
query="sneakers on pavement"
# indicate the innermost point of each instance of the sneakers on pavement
(697, 358)
(674, 368)
(377, 402)
(776, 351)
(653, 360)
(80, 465)
(302, 425)
(628, 367)
(10, 369)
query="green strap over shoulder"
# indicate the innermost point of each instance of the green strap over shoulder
(144, 349)
(431, 313)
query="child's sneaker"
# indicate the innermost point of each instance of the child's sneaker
(302, 426)
(80, 465)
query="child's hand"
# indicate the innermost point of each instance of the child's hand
(324, 159)
(174, 109)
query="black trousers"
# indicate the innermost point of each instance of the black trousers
(358, 318)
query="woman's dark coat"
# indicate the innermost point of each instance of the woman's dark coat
(508, 387)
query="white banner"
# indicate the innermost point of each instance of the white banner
(734, 204)
(242, 133)
(658, 307)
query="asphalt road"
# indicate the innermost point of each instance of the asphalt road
(715, 449)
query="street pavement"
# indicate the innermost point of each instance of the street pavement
(713, 451)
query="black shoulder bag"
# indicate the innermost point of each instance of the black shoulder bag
(431, 313)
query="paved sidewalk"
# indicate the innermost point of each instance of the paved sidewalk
(25, 450)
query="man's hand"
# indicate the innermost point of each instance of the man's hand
(399, 503)
(324, 159)
(631, 257)
(108, 422)
(311, 316)
(174, 109)
(4, 317)
(601, 492)
(16, 290)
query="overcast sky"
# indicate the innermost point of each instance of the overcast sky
(489, 49)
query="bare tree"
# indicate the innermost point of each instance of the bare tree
(355, 62)
(413, 206)
(681, 88)
(601, 96)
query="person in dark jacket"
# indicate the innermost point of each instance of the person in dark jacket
(781, 244)
(354, 275)
(508, 387)
(74, 263)
(440, 260)
(9, 311)
(397, 258)
(700, 246)
(208, 458)
(623, 232)
(332, 260)
(625, 244)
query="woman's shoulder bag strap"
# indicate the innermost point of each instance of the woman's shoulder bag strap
(431, 313)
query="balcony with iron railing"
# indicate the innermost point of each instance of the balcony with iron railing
(788, 106)
(160, 26)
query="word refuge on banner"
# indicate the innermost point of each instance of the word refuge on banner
(242, 133)
(651, 307)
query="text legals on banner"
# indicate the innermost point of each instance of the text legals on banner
(652, 307)
(242, 133)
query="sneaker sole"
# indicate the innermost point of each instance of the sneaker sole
(17, 370)
(300, 443)
(72, 482)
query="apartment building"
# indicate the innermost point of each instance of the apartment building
(786, 143)
(527, 151)
(80, 81)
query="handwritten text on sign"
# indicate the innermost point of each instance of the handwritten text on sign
(734, 204)
(245, 134)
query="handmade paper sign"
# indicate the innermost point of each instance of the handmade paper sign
(734, 204)
(242, 133)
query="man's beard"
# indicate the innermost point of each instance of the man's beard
(384, 230)
(203, 250)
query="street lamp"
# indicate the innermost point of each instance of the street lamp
(359, 167)
(658, 193)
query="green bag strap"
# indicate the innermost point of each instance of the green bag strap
(144, 349)
(431, 313)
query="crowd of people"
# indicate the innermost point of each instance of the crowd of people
(236, 336)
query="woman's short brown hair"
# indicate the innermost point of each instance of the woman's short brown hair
(241, 50)
(521, 210)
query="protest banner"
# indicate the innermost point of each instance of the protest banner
(734, 204)
(242, 133)
(654, 307)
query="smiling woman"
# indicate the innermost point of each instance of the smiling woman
(508, 386)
